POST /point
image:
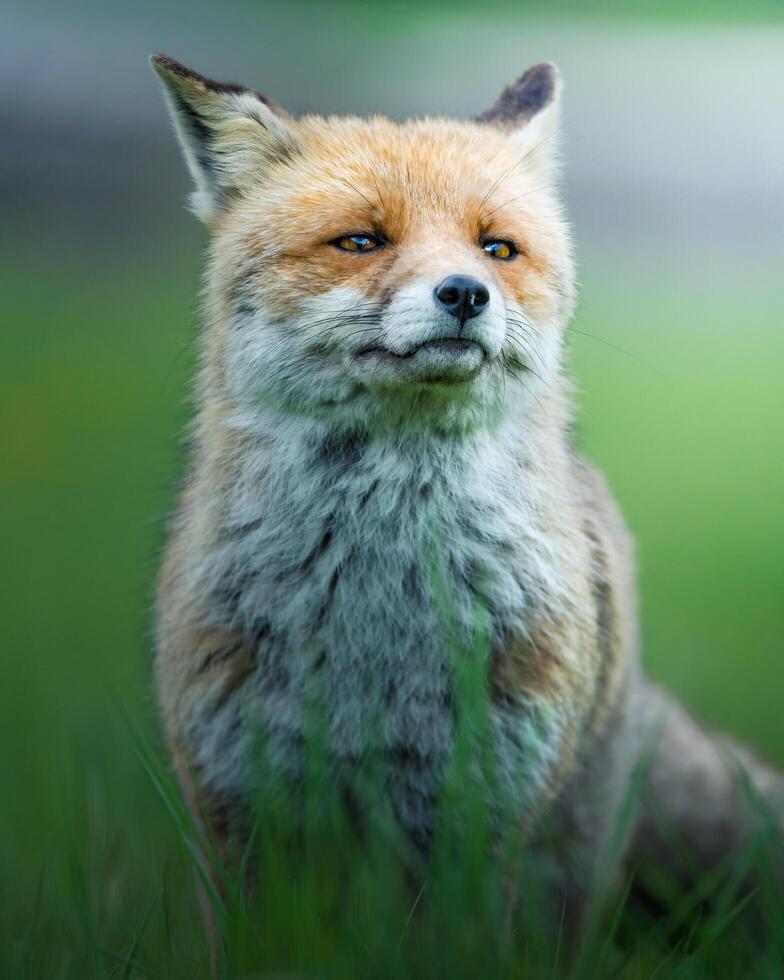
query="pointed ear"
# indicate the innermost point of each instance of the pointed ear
(530, 109)
(228, 134)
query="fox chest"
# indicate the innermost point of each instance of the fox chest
(363, 612)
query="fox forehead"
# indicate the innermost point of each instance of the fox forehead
(403, 178)
(435, 161)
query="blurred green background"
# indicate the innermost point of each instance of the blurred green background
(674, 148)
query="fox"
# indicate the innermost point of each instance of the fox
(382, 389)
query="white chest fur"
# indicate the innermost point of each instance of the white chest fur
(357, 571)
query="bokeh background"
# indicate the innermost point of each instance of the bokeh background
(674, 178)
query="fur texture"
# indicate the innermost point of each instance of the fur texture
(358, 455)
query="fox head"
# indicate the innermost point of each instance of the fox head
(379, 275)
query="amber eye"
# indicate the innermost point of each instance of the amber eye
(359, 243)
(499, 248)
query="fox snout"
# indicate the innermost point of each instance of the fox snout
(435, 330)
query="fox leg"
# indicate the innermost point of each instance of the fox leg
(201, 674)
(587, 831)
(208, 845)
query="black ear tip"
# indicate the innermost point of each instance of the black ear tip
(165, 65)
(540, 82)
(543, 69)
(533, 91)
(172, 72)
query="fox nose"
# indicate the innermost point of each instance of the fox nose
(462, 296)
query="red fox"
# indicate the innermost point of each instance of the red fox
(381, 389)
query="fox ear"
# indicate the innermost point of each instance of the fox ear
(530, 108)
(228, 134)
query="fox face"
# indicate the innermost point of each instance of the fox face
(378, 275)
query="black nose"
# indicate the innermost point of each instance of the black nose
(462, 296)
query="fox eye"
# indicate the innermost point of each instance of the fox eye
(363, 242)
(499, 248)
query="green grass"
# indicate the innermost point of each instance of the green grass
(95, 877)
